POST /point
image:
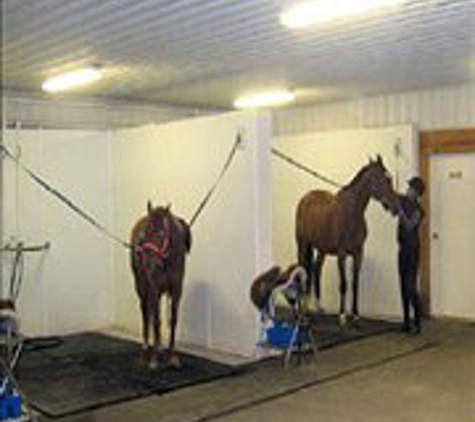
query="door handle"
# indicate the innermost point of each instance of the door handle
(435, 236)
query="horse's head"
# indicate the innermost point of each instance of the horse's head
(156, 243)
(159, 223)
(379, 182)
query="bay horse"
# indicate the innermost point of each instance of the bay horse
(335, 224)
(159, 244)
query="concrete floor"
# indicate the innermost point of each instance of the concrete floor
(437, 385)
(388, 378)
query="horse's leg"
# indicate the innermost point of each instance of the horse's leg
(357, 260)
(318, 274)
(343, 287)
(305, 258)
(156, 330)
(145, 324)
(141, 287)
(175, 301)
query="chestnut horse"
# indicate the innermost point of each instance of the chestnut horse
(159, 244)
(335, 225)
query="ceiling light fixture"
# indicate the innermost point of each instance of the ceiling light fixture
(73, 79)
(265, 99)
(324, 11)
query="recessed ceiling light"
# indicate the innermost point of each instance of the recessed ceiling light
(324, 11)
(264, 99)
(73, 79)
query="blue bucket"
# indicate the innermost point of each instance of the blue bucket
(10, 407)
(280, 335)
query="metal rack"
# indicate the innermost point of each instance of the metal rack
(11, 339)
(16, 275)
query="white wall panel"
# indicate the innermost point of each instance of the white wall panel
(429, 110)
(68, 288)
(84, 281)
(177, 163)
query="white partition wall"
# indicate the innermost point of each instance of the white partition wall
(339, 155)
(177, 163)
(67, 288)
(84, 281)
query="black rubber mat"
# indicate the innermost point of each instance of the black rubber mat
(328, 332)
(91, 370)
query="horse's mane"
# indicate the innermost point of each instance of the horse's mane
(357, 177)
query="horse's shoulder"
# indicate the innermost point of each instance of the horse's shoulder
(138, 228)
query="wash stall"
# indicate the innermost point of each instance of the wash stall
(83, 281)
(338, 156)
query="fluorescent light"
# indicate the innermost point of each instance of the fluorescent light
(265, 99)
(323, 11)
(72, 79)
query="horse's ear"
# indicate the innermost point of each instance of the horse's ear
(370, 159)
(379, 159)
(149, 207)
(168, 207)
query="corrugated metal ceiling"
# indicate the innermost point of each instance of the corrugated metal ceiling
(205, 52)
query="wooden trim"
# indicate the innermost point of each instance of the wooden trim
(438, 142)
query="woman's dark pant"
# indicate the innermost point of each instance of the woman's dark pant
(408, 270)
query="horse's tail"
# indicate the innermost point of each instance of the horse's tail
(305, 259)
(187, 234)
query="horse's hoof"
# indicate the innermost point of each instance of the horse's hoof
(145, 355)
(153, 363)
(355, 320)
(343, 320)
(175, 361)
(319, 307)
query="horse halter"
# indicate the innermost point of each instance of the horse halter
(158, 253)
(385, 192)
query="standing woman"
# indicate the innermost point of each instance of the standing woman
(410, 219)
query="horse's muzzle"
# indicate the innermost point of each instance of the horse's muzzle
(392, 208)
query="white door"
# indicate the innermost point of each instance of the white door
(452, 207)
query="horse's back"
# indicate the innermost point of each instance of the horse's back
(315, 219)
(315, 209)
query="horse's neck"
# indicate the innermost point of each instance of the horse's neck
(356, 198)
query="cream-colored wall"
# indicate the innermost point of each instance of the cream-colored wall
(443, 108)
(68, 287)
(339, 155)
(84, 281)
(177, 163)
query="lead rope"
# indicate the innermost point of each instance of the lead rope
(305, 168)
(69, 203)
(211, 191)
(91, 220)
